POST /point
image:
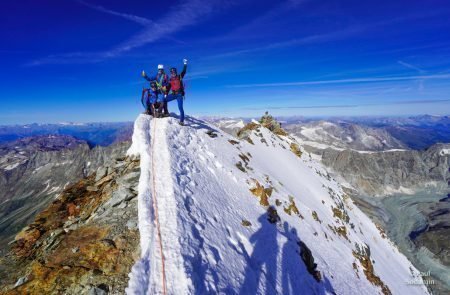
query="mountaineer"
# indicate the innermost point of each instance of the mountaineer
(162, 84)
(153, 100)
(176, 88)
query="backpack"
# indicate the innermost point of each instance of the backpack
(177, 84)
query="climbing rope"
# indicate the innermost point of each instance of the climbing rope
(155, 208)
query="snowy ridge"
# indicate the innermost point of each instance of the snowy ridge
(216, 234)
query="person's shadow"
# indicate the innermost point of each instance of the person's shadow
(263, 261)
(299, 273)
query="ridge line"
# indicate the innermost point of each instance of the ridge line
(155, 208)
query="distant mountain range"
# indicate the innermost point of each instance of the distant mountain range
(416, 132)
(345, 135)
(359, 133)
(102, 134)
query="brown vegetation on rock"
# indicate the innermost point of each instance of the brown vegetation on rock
(246, 223)
(245, 131)
(292, 208)
(339, 230)
(66, 250)
(240, 167)
(316, 217)
(296, 149)
(363, 256)
(244, 158)
(261, 193)
(341, 214)
(273, 125)
(381, 230)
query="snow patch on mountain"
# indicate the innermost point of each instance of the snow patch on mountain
(342, 135)
(445, 152)
(230, 126)
(253, 216)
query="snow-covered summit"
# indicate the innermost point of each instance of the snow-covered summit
(251, 216)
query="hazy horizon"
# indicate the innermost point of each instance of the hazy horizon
(256, 116)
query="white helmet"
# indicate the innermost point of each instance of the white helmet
(160, 67)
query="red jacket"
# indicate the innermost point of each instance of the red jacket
(176, 83)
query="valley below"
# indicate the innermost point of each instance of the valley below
(419, 225)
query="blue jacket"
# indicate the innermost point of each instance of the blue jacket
(150, 96)
(162, 80)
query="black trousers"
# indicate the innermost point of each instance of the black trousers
(165, 110)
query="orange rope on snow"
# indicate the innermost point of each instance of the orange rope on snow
(155, 208)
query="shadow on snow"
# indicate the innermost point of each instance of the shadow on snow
(264, 272)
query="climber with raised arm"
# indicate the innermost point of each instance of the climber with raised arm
(176, 88)
(162, 83)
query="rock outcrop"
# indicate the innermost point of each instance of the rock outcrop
(34, 171)
(84, 242)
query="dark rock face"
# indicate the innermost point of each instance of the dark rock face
(435, 237)
(29, 145)
(33, 171)
(84, 242)
(382, 172)
(308, 259)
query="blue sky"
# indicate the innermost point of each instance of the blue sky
(81, 60)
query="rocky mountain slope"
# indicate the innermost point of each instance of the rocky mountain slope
(384, 173)
(216, 214)
(35, 170)
(84, 242)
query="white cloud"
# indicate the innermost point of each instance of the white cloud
(137, 19)
(345, 106)
(179, 17)
(344, 81)
(410, 66)
(330, 36)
